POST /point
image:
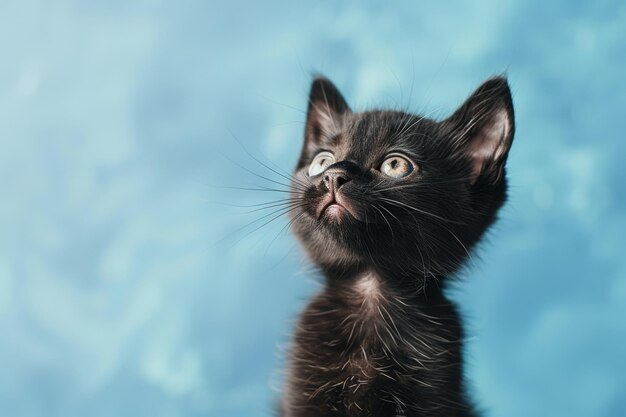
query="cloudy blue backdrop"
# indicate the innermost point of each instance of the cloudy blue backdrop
(126, 288)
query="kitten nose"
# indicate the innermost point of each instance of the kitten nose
(335, 178)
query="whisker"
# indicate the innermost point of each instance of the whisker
(387, 221)
(260, 188)
(419, 119)
(264, 177)
(415, 184)
(252, 205)
(282, 104)
(276, 214)
(287, 226)
(285, 204)
(399, 203)
(284, 174)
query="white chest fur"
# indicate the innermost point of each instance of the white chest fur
(368, 293)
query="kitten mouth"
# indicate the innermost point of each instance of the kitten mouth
(334, 206)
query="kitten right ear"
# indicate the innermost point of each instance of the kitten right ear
(326, 111)
(482, 129)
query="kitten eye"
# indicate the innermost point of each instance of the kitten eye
(321, 161)
(396, 167)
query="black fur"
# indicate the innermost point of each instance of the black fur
(381, 339)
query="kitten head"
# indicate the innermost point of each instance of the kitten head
(397, 191)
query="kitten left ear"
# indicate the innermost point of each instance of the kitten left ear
(325, 113)
(483, 127)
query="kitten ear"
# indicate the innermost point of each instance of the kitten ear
(483, 127)
(326, 111)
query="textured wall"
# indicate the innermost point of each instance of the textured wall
(126, 289)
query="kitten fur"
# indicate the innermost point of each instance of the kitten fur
(381, 338)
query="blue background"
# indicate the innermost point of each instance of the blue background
(126, 288)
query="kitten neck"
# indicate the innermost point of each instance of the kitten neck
(411, 285)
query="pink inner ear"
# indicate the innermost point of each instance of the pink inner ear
(322, 125)
(489, 142)
(324, 121)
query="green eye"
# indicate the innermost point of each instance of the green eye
(321, 161)
(396, 166)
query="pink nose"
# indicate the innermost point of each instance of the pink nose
(335, 178)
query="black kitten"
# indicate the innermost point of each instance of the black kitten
(388, 205)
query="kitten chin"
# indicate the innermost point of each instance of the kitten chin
(389, 206)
